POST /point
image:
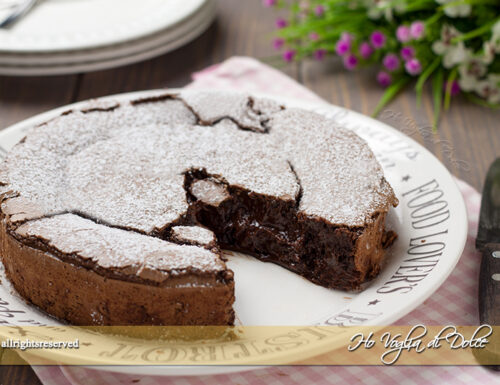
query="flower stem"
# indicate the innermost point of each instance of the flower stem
(481, 102)
(437, 93)
(419, 87)
(449, 86)
(433, 19)
(390, 94)
(476, 32)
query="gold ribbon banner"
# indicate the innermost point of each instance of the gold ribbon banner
(253, 345)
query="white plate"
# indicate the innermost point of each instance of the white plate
(69, 25)
(113, 56)
(430, 220)
(206, 11)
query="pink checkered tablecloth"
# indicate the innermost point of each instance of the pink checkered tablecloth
(454, 303)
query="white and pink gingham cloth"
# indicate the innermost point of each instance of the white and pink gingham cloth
(454, 303)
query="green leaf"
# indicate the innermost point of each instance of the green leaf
(471, 2)
(486, 28)
(437, 95)
(431, 20)
(419, 87)
(481, 102)
(449, 85)
(420, 6)
(390, 94)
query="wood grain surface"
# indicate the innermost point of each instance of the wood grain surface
(467, 141)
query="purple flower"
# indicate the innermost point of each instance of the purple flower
(289, 55)
(455, 88)
(350, 62)
(407, 53)
(391, 62)
(377, 39)
(278, 43)
(342, 47)
(281, 23)
(417, 29)
(365, 50)
(413, 66)
(319, 54)
(319, 10)
(268, 3)
(313, 36)
(384, 79)
(403, 33)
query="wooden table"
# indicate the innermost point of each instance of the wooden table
(467, 141)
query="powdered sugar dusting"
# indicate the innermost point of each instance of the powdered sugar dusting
(244, 110)
(124, 250)
(125, 166)
(193, 234)
(136, 180)
(341, 180)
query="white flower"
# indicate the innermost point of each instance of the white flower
(468, 83)
(458, 10)
(495, 37)
(489, 88)
(452, 53)
(488, 54)
(467, 80)
(470, 73)
(386, 8)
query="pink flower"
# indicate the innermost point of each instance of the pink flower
(319, 10)
(350, 62)
(278, 43)
(365, 50)
(289, 55)
(384, 79)
(281, 23)
(417, 29)
(377, 39)
(407, 53)
(346, 36)
(304, 5)
(268, 3)
(413, 66)
(391, 62)
(319, 54)
(455, 88)
(403, 33)
(313, 36)
(342, 47)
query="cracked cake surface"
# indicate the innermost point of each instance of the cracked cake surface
(151, 188)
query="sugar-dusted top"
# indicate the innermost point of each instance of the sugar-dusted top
(124, 165)
(193, 235)
(341, 180)
(122, 250)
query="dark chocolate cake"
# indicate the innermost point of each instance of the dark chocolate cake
(115, 214)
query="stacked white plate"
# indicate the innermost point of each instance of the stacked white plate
(71, 36)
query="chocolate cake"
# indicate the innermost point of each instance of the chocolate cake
(116, 213)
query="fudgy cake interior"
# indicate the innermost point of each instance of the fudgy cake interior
(273, 230)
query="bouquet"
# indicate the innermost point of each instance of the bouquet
(452, 44)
